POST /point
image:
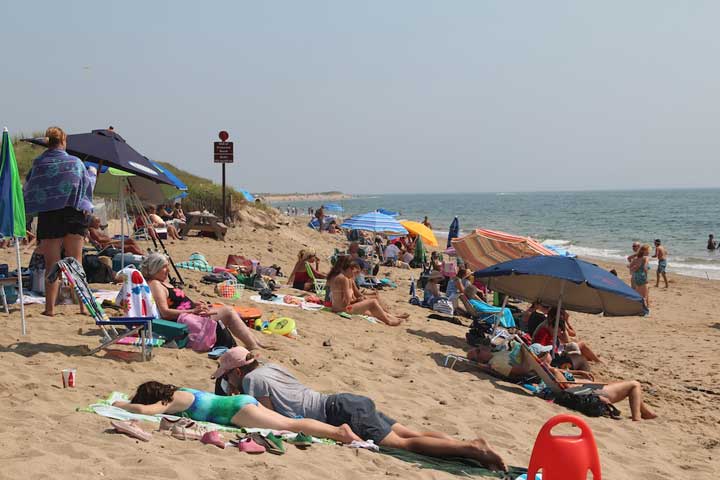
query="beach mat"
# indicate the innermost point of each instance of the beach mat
(464, 467)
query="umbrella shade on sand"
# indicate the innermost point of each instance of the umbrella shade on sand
(374, 222)
(421, 230)
(484, 248)
(109, 149)
(12, 209)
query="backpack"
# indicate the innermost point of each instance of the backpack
(587, 402)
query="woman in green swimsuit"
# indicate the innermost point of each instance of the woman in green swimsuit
(153, 398)
(638, 269)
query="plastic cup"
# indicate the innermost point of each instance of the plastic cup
(69, 377)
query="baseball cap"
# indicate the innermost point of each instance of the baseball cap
(536, 348)
(236, 357)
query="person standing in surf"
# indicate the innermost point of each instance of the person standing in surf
(661, 255)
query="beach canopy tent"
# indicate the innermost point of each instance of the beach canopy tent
(387, 212)
(333, 207)
(374, 222)
(569, 283)
(453, 231)
(483, 248)
(420, 230)
(109, 149)
(247, 196)
(12, 209)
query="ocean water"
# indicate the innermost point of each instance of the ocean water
(601, 224)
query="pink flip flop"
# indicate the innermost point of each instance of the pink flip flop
(213, 438)
(248, 445)
(131, 429)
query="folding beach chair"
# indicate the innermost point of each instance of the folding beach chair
(319, 284)
(141, 326)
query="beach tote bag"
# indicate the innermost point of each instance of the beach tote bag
(449, 269)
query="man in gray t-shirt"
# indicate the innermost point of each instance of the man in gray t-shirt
(277, 389)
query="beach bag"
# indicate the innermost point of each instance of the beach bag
(449, 269)
(444, 306)
(230, 289)
(587, 402)
(171, 332)
(95, 270)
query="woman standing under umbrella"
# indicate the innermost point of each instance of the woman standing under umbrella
(59, 189)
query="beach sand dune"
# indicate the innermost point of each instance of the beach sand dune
(674, 353)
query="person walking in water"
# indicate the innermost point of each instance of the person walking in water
(712, 244)
(427, 223)
(661, 255)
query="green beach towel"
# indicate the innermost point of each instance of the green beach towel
(464, 467)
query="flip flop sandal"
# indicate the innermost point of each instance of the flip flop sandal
(213, 438)
(248, 445)
(191, 431)
(131, 429)
(301, 440)
(168, 424)
(271, 443)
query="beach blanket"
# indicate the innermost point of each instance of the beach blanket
(278, 301)
(465, 467)
(39, 299)
(104, 408)
(196, 262)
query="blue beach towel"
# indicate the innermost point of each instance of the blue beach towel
(488, 313)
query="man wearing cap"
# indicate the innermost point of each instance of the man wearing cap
(277, 389)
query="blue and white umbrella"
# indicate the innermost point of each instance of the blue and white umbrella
(388, 212)
(454, 231)
(333, 207)
(374, 222)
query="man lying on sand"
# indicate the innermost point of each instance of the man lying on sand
(278, 390)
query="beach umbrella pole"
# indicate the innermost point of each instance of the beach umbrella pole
(20, 287)
(498, 317)
(557, 318)
(122, 226)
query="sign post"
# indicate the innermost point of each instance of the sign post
(223, 154)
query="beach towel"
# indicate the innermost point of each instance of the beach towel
(489, 313)
(103, 407)
(454, 465)
(196, 262)
(134, 296)
(279, 302)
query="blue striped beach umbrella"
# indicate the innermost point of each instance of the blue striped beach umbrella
(388, 212)
(333, 207)
(374, 222)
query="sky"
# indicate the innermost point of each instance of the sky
(401, 96)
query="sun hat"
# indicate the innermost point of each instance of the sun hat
(236, 357)
(435, 275)
(536, 348)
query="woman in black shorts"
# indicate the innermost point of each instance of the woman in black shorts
(58, 189)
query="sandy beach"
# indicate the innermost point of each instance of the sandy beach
(673, 353)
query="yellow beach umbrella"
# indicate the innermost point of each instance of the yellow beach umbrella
(419, 229)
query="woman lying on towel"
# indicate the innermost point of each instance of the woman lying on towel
(611, 393)
(346, 297)
(206, 324)
(153, 398)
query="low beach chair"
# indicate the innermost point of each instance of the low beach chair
(319, 284)
(141, 326)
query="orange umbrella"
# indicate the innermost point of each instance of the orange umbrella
(484, 248)
(419, 229)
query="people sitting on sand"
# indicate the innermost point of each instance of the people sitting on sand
(458, 284)
(613, 392)
(391, 254)
(333, 227)
(153, 398)
(299, 277)
(570, 352)
(341, 280)
(157, 222)
(103, 241)
(535, 314)
(207, 324)
(277, 389)
(431, 292)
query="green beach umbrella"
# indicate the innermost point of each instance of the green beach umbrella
(12, 207)
(420, 254)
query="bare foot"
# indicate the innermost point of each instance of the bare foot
(346, 435)
(487, 456)
(403, 316)
(647, 414)
(47, 314)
